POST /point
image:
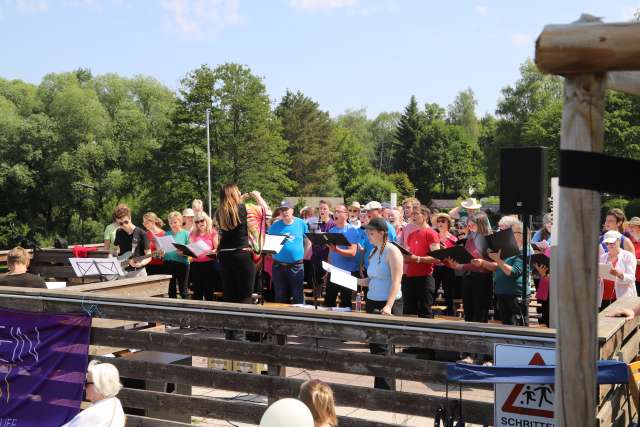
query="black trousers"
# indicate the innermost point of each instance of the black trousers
(179, 272)
(238, 274)
(204, 276)
(477, 290)
(238, 279)
(446, 277)
(331, 294)
(544, 312)
(154, 269)
(418, 294)
(513, 309)
(396, 310)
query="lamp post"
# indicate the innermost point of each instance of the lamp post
(208, 161)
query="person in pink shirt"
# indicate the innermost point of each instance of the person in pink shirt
(444, 276)
(204, 272)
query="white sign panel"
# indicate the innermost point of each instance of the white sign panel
(523, 404)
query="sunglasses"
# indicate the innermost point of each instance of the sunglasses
(354, 210)
(121, 223)
(199, 221)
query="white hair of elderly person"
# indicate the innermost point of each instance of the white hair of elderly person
(102, 386)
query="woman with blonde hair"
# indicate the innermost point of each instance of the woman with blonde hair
(153, 224)
(318, 397)
(102, 386)
(175, 262)
(203, 271)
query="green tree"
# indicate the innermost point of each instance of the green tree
(383, 130)
(352, 162)
(372, 186)
(246, 143)
(311, 145)
(409, 131)
(463, 113)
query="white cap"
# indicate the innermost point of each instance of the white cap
(611, 236)
(373, 205)
(188, 212)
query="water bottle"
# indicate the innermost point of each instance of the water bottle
(358, 301)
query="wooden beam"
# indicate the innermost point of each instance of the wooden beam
(576, 267)
(624, 81)
(588, 47)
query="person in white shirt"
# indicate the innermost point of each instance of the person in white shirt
(623, 267)
(102, 386)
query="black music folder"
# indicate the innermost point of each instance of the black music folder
(404, 250)
(504, 241)
(458, 253)
(337, 239)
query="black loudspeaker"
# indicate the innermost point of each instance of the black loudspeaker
(524, 185)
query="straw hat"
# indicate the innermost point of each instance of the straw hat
(635, 221)
(471, 203)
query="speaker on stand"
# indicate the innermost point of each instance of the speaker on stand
(524, 188)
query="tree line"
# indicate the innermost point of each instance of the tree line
(77, 144)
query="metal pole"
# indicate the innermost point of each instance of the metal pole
(208, 161)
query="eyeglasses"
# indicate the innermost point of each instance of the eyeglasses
(340, 212)
(517, 232)
(442, 221)
(121, 223)
(199, 221)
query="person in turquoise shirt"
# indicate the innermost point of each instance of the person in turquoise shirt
(509, 278)
(175, 262)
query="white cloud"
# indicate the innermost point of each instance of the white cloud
(316, 5)
(520, 39)
(32, 6)
(198, 17)
(482, 10)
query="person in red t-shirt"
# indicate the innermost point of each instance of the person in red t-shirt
(153, 224)
(419, 289)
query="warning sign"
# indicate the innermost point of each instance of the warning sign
(523, 405)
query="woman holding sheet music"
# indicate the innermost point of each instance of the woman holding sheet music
(477, 282)
(175, 262)
(419, 287)
(153, 224)
(509, 276)
(203, 270)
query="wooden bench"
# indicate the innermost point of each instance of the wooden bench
(54, 263)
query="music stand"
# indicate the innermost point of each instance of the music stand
(104, 268)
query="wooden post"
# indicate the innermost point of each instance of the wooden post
(576, 269)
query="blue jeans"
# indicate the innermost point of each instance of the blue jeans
(288, 283)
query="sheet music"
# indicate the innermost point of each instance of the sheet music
(165, 243)
(603, 272)
(273, 243)
(56, 285)
(340, 277)
(198, 247)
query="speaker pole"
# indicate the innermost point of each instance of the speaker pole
(525, 250)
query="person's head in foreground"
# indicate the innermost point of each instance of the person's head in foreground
(101, 388)
(318, 396)
(18, 260)
(287, 413)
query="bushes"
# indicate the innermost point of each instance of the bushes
(632, 208)
(614, 203)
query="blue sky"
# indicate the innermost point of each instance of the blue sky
(345, 54)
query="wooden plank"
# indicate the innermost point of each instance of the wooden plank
(195, 406)
(616, 411)
(148, 286)
(291, 355)
(138, 421)
(353, 328)
(588, 47)
(56, 271)
(276, 387)
(576, 265)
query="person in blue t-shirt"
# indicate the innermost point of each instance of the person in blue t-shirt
(288, 268)
(374, 210)
(343, 257)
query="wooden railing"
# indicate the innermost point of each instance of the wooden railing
(282, 326)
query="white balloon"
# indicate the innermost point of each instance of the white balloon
(287, 413)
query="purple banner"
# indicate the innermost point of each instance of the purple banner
(43, 362)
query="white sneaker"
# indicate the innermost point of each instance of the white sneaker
(487, 363)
